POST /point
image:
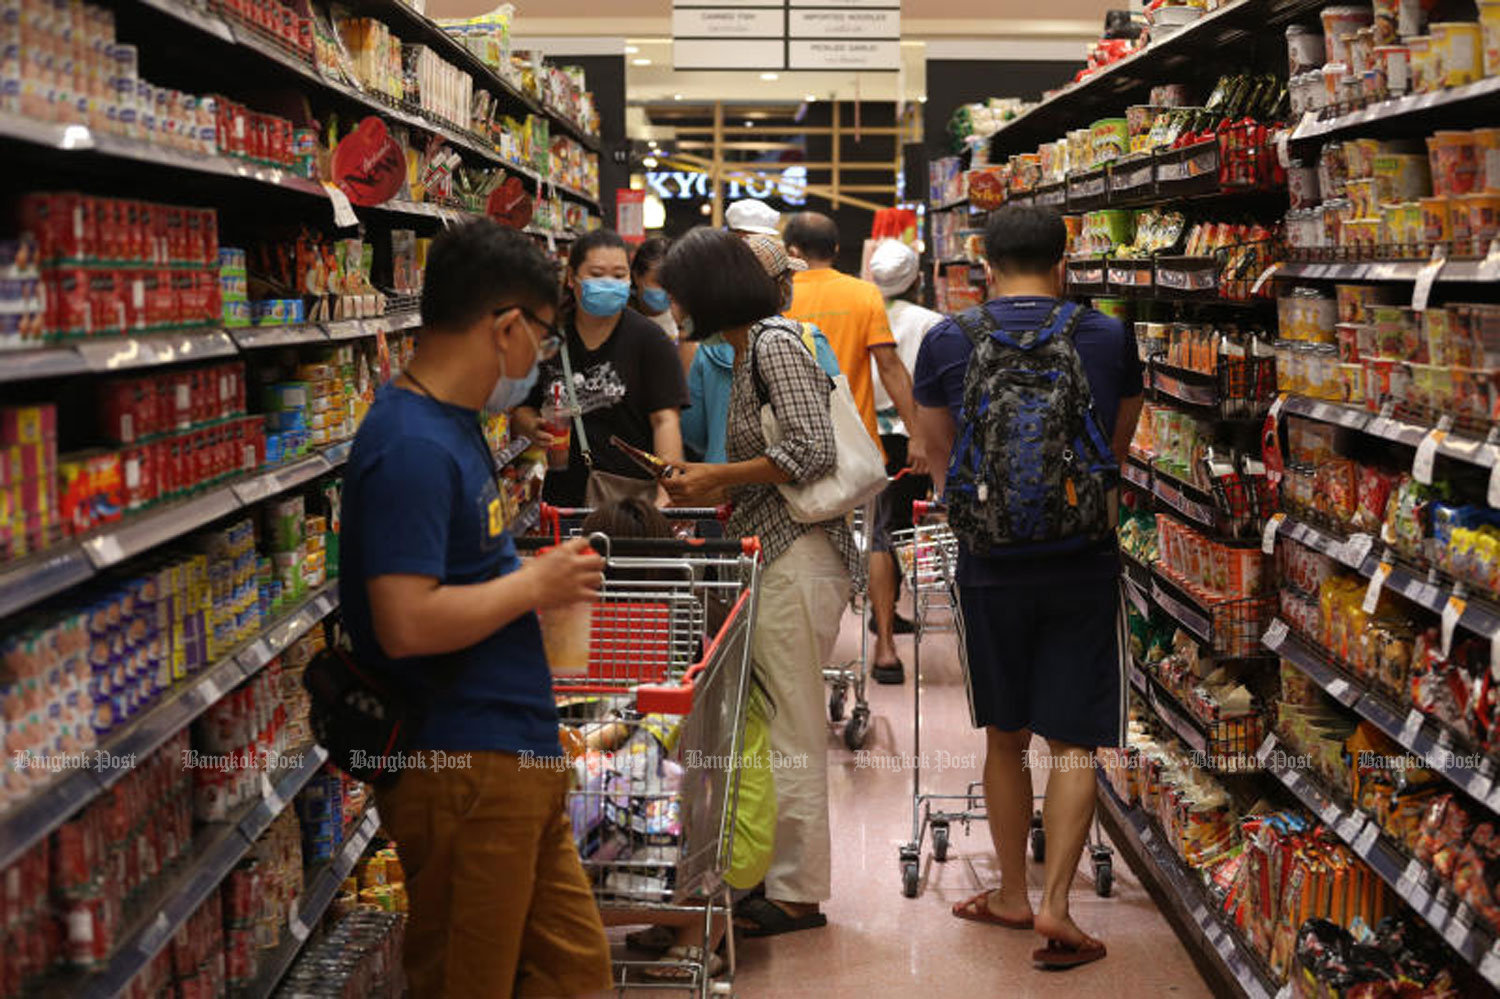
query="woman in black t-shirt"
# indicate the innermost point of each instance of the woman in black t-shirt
(626, 377)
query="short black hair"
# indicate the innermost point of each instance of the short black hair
(718, 281)
(650, 253)
(812, 234)
(474, 267)
(1021, 240)
(589, 242)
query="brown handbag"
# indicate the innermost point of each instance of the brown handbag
(603, 488)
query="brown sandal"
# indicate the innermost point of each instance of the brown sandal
(1058, 956)
(977, 909)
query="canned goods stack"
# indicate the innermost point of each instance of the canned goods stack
(361, 957)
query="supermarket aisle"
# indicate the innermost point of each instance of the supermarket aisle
(915, 947)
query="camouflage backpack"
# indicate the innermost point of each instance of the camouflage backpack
(1031, 471)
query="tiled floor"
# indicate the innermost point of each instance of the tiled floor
(883, 944)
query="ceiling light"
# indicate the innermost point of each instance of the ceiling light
(643, 61)
(676, 97)
(770, 76)
(706, 208)
(632, 49)
(809, 98)
(749, 123)
(649, 162)
(922, 99)
(652, 143)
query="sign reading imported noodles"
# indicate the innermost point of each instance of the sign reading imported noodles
(861, 35)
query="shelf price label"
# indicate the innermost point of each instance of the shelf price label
(1426, 278)
(1275, 634)
(1421, 466)
(1489, 267)
(1268, 537)
(1265, 276)
(1356, 549)
(1377, 583)
(1452, 611)
(343, 208)
(1366, 838)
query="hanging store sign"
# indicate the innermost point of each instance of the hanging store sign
(788, 186)
(858, 35)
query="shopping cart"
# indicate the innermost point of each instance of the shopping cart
(851, 675)
(928, 554)
(707, 522)
(655, 722)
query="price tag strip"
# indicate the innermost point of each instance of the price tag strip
(1421, 467)
(1268, 536)
(1452, 611)
(1426, 278)
(1377, 583)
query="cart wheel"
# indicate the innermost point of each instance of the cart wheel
(940, 841)
(1104, 878)
(836, 704)
(1038, 843)
(856, 728)
(909, 879)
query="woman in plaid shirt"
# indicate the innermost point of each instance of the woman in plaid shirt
(720, 288)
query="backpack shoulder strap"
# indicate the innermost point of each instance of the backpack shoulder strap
(1068, 315)
(976, 323)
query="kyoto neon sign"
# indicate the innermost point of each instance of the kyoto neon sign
(790, 185)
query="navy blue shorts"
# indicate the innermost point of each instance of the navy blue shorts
(1049, 658)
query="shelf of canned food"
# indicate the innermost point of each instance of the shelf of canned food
(111, 354)
(321, 887)
(246, 38)
(1411, 880)
(51, 804)
(33, 578)
(1183, 896)
(217, 849)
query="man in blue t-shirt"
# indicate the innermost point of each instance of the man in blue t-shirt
(436, 600)
(1044, 650)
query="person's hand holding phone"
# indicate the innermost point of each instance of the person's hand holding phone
(692, 484)
(571, 573)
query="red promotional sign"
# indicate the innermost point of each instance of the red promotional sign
(509, 204)
(630, 215)
(368, 164)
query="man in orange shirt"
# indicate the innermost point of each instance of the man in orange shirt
(851, 314)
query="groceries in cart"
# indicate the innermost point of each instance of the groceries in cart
(626, 806)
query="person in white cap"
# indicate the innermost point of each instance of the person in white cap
(752, 217)
(896, 271)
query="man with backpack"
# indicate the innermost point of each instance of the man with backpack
(1034, 398)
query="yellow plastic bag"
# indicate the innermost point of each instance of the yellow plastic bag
(755, 809)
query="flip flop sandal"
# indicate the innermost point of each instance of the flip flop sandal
(767, 919)
(1058, 956)
(977, 910)
(682, 971)
(652, 940)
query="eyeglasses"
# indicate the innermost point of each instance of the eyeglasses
(550, 343)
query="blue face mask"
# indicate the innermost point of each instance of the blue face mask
(603, 297)
(656, 299)
(509, 393)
